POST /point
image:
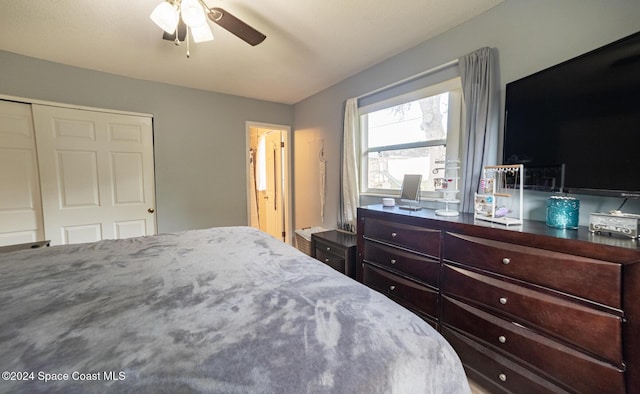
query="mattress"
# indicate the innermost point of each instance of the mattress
(221, 310)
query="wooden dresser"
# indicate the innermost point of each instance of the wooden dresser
(529, 309)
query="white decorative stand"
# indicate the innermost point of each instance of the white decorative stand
(448, 186)
(501, 188)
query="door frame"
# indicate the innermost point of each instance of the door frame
(286, 169)
(26, 100)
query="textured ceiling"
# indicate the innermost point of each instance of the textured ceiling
(310, 45)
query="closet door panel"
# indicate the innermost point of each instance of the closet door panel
(20, 206)
(128, 178)
(78, 179)
(97, 174)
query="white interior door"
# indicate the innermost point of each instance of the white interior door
(274, 206)
(97, 174)
(20, 206)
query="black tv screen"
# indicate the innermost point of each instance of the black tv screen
(576, 126)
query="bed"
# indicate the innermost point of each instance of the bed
(223, 310)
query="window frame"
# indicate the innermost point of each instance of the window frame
(451, 143)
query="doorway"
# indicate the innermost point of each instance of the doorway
(268, 188)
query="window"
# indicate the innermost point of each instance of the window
(406, 135)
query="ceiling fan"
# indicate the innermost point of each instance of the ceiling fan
(178, 17)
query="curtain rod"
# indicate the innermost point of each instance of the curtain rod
(411, 78)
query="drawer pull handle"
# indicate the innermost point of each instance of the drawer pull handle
(502, 339)
(393, 261)
(392, 288)
(393, 235)
(503, 377)
(506, 261)
(503, 300)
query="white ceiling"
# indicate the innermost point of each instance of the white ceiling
(310, 45)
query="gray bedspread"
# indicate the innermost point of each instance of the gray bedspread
(224, 310)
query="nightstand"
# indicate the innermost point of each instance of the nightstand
(337, 249)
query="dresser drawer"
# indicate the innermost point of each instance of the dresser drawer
(420, 239)
(569, 321)
(595, 280)
(336, 262)
(328, 248)
(405, 292)
(422, 268)
(570, 367)
(497, 372)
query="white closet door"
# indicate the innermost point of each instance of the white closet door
(97, 174)
(20, 207)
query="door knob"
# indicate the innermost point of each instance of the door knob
(151, 210)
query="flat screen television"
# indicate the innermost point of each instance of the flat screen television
(576, 126)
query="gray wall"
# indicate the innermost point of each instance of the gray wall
(199, 136)
(529, 35)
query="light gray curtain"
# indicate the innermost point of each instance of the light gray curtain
(478, 72)
(350, 197)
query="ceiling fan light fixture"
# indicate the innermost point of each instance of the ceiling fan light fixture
(192, 13)
(201, 33)
(178, 17)
(166, 16)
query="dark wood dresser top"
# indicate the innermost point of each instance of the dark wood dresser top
(580, 241)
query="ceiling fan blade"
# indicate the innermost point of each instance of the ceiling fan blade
(181, 30)
(236, 26)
